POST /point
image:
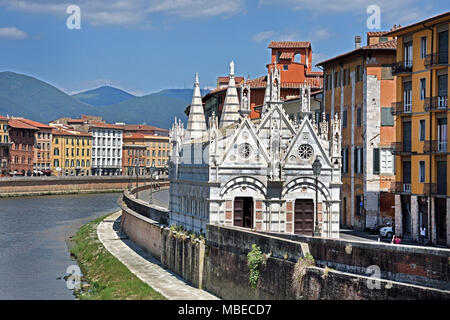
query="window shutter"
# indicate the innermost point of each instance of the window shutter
(355, 164)
(376, 161)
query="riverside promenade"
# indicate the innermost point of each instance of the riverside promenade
(144, 265)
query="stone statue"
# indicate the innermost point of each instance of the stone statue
(232, 68)
(245, 105)
(196, 78)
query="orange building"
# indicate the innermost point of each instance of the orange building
(360, 87)
(21, 153)
(133, 154)
(42, 163)
(293, 58)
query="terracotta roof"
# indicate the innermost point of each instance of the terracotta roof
(388, 45)
(134, 136)
(16, 123)
(286, 55)
(76, 121)
(289, 44)
(227, 79)
(137, 127)
(314, 73)
(95, 124)
(400, 30)
(376, 33)
(36, 124)
(62, 132)
(3, 118)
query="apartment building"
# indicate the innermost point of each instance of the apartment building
(21, 152)
(158, 149)
(107, 140)
(134, 154)
(42, 164)
(359, 86)
(71, 152)
(421, 154)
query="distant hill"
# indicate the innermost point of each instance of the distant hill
(152, 109)
(103, 96)
(28, 97)
(183, 94)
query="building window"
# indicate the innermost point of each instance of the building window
(387, 118)
(423, 47)
(422, 130)
(386, 161)
(359, 73)
(423, 88)
(408, 54)
(344, 119)
(376, 161)
(345, 160)
(285, 67)
(358, 117)
(358, 167)
(421, 171)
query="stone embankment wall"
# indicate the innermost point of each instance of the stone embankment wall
(17, 186)
(418, 265)
(220, 265)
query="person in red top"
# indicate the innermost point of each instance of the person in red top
(396, 240)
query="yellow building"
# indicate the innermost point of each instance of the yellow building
(4, 145)
(71, 153)
(157, 152)
(422, 191)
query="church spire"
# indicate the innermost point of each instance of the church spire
(230, 110)
(196, 126)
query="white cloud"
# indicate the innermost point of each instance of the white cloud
(131, 12)
(319, 34)
(12, 33)
(263, 36)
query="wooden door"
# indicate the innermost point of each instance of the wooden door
(238, 220)
(304, 217)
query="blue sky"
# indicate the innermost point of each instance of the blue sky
(143, 46)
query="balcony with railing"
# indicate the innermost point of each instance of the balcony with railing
(401, 67)
(401, 107)
(435, 60)
(401, 187)
(436, 103)
(401, 148)
(429, 188)
(435, 146)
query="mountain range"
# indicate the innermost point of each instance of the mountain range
(28, 97)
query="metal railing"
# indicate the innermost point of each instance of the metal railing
(401, 67)
(401, 187)
(435, 146)
(436, 103)
(401, 148)
(401, 107)
(436, 59)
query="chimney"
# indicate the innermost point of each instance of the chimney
(357, 42)
(395, 27)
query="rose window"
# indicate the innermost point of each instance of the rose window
(305, 151)
(245, 150)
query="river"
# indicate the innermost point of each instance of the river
(33, 249)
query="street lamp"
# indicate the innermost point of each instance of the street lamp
(152, 168)
(317, 166)
(136, 168)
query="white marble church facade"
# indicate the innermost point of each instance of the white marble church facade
(255, 173)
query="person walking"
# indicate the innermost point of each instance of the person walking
(423, 232)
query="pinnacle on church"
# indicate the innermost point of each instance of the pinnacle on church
(196, 126)
(231, 106)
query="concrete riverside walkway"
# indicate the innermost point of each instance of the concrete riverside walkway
(145, 266)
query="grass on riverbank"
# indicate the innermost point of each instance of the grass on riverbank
(109, 279)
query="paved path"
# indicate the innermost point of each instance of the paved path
(160, 198)
(144, 266)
